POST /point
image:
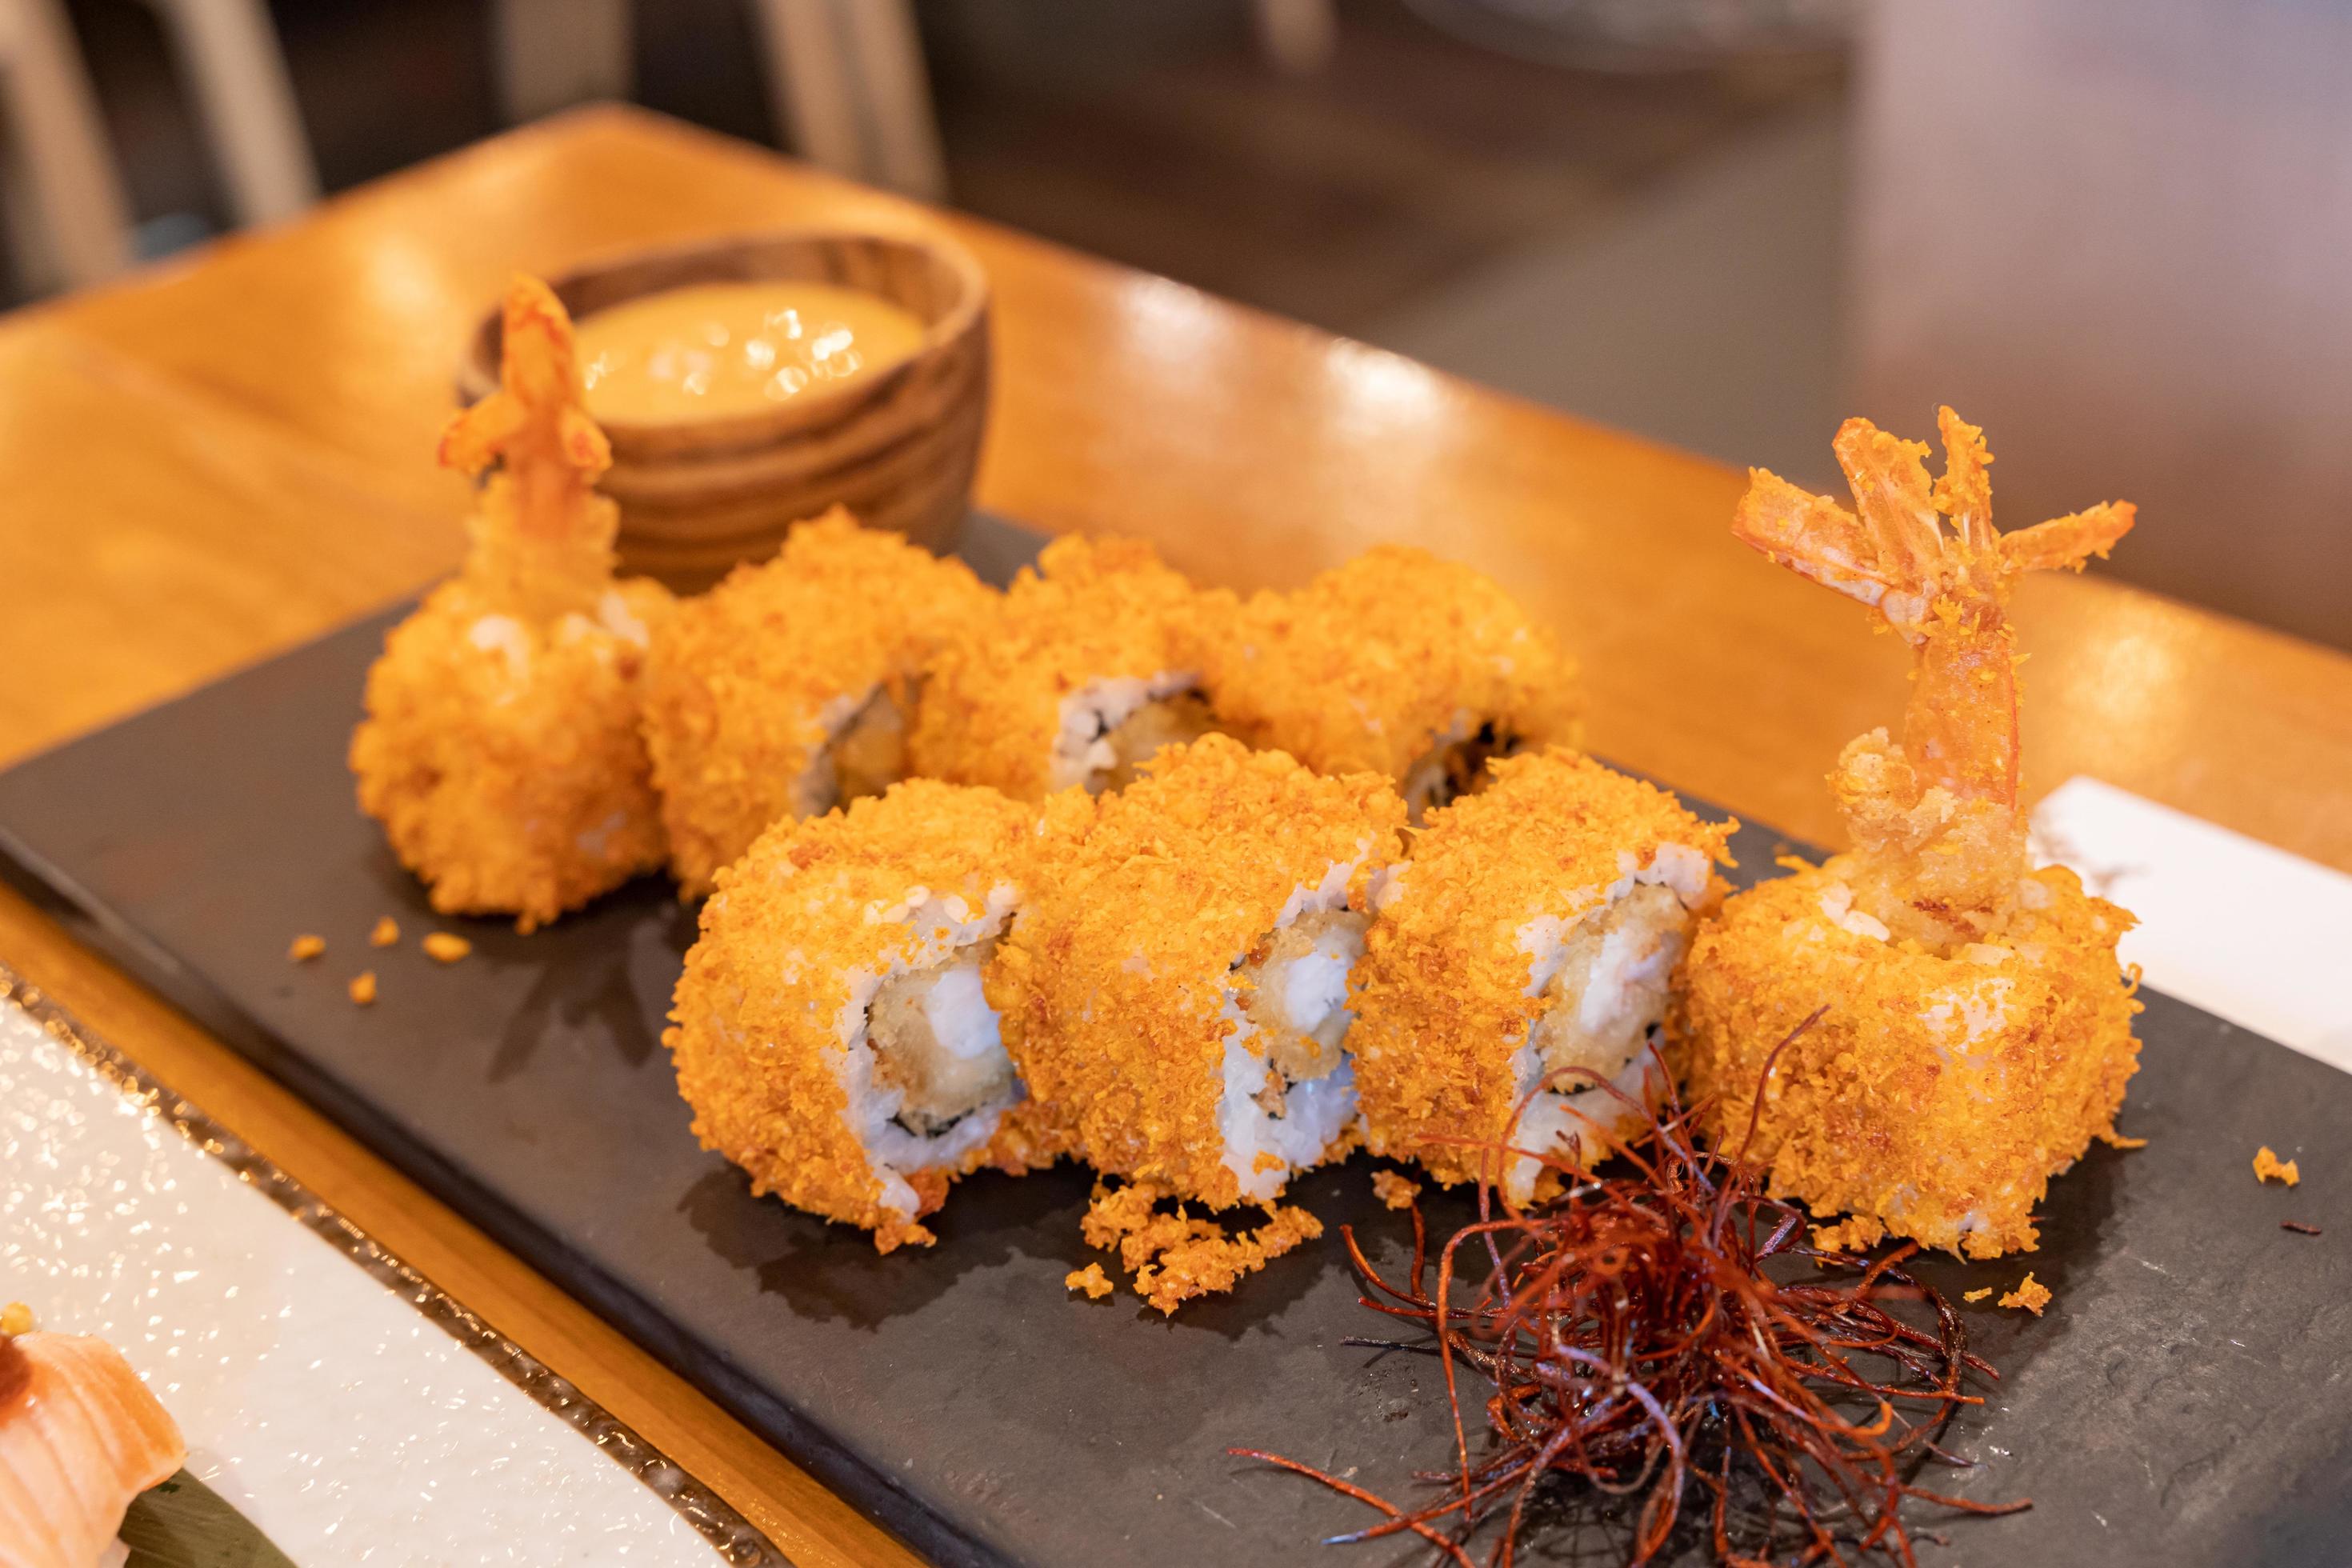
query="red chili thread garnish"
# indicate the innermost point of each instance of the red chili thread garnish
(1635, 1344)
(2297, 1226)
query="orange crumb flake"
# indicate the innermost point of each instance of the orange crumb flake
(1091, 1279)
(1975, 1295)
(364, 988)
(386, 932)
(1397, 1192)
(306, 948)
(441, 946)
(2114, 1139)
(1174, 1257)
(1858, 1233)
(2268, 1165)
(2028, 1294)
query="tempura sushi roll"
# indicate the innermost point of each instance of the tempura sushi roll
(830, 1030)
(1089, 665)
(1396, 663)
(1533, 933)
(501, 749)
(784, 691)
(1176, 993)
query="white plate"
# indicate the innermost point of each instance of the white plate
(340, 1403)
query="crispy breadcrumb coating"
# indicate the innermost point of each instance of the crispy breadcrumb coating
(1857, 1234)
(1376, 664)
(363, 988)
(1978, 1295)
(386, 932)
(747, 685)
(1005, 695)
(1936, 1094)
(1091, 1279)
(1447, 995)
(2030, 1294)
(500, 747)
(303, 949)
(445, 947)
(503, 756)
(2269, 1166)
(1175, 1257)
(1113, 986)
(794, 946)
(1395, 1191)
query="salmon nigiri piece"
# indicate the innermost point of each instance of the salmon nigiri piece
(80, 1436)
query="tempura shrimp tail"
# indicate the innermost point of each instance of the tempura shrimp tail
(1933, 818)
(543, 536)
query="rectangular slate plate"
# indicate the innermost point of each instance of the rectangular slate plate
(2185, 1400)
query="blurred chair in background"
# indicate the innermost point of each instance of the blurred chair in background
(67, 216)
(2118, 234)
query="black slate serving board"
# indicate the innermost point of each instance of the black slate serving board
(2187, 1400)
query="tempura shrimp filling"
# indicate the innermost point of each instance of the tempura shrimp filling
(1109, 727)
(922, 1061)
(1604, 980)
(1455, 765)
(865, 751)
(1289, 1084)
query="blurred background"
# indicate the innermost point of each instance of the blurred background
(2117, 233)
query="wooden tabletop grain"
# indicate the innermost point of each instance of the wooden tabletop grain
(230, 454)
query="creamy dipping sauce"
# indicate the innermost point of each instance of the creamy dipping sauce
(717, 350)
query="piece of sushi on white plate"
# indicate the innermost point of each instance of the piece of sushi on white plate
(1521, 966)
(80, 1436)
(1089, 665)
(831, 1031)
(1175, 995)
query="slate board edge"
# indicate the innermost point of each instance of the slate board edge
(808, 1445)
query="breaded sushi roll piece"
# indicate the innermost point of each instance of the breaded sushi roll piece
(830, 1030)
(501, 749)
(1090, 663)
(1176, 995)
(1396, 663)
(1975, 1026)
(1533, 933)
(784, 691)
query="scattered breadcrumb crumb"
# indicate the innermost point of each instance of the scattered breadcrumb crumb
(386, 932)
(16, 1318)
(2114, 1139)
(446, 947)
(1091, 1279)
(1397, 1192)
(364, 988)
(1857, 1233)
(1174, 1257)
(2267, 1166)
(1975, 1295)
(2297, 1226)
(306, 948)
(2029, 1295)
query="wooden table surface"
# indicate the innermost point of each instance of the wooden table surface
(231, 453)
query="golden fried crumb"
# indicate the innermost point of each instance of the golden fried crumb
(303, 949)
(1091, 1279)
(2114, 1139)
(1373, 662)
(1938, 1094)
(16, 1318)
(747, 685)
(1174, 1257)
(1975, 1295)
(775, 976)
(1858, 1233)
(1396, 1191)
(386, 932)
(363, 988)
(992, 711)
(1442, 1000)
(2268, 1166)
(2029, 1295)
(446, 947)
(1116, 987)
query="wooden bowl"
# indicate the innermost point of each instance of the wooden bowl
(898, 448)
